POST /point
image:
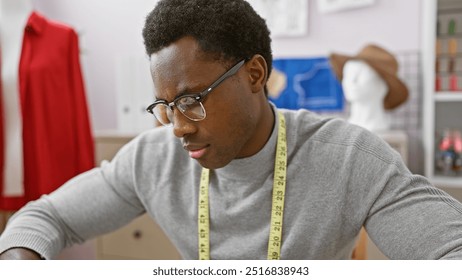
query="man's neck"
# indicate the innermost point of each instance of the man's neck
(263, 131)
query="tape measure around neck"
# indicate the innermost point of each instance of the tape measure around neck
(277, 208)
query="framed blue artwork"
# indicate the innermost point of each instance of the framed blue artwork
(305, 83)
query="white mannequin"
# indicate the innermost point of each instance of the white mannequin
(365, 90)
(13, 18)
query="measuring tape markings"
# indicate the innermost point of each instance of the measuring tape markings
(203, 216)
(279, 188)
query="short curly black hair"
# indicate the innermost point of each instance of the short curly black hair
(229, 30)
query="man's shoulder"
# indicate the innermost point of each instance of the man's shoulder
(322, 127)
(159, 135)
(153, 141)
(309, 126)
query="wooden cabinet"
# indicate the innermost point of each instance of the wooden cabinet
(142, 238)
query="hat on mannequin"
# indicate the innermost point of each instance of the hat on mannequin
(385, 64)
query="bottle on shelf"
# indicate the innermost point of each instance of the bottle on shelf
(452, 51)
(448, 58)
(448, 155)
(444, 154)
(457, 143)
(438, 47)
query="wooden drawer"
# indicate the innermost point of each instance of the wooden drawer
(141, 239)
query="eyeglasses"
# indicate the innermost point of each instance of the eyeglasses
(190, 105)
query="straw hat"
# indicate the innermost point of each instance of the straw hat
(386, 66)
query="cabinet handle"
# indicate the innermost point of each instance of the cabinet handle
(137, 234)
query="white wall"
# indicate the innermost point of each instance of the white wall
(112, 28)
(394, 24)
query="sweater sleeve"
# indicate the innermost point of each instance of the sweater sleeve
(93, 203)
(411, 219)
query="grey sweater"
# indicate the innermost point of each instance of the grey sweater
(340, 177)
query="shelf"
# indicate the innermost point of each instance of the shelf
(448, 96)
(448, 55)
(449, 36)
(452, 10)
(447, 181)
(447, 73)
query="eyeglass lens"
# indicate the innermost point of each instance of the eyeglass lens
(188, 106)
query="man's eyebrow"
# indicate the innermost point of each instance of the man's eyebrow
(184, 91)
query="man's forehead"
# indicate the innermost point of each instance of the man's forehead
(184, 50)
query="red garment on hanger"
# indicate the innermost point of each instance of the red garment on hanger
(57, 138)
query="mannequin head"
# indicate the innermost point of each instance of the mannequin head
(383, 64)
(362, 84)
(365, 90)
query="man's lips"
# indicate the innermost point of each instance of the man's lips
(196, 151)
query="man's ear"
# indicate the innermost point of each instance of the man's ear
(258, 73)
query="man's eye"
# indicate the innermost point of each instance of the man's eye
(187, 101)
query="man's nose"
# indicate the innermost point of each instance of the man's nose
(182, 126)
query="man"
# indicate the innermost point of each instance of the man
(214, 179)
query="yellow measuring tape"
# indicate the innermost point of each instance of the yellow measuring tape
(277, 208)
(203, 217)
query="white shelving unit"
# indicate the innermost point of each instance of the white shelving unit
(448, 96)
(442, 109)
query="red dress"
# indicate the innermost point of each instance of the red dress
(57, 138)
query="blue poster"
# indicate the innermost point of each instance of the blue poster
(305, 83)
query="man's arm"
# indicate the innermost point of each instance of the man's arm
(411, 219)
(85, 207)
(19, 254)
(93, 203)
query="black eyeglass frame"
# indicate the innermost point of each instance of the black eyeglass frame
(198, 97)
